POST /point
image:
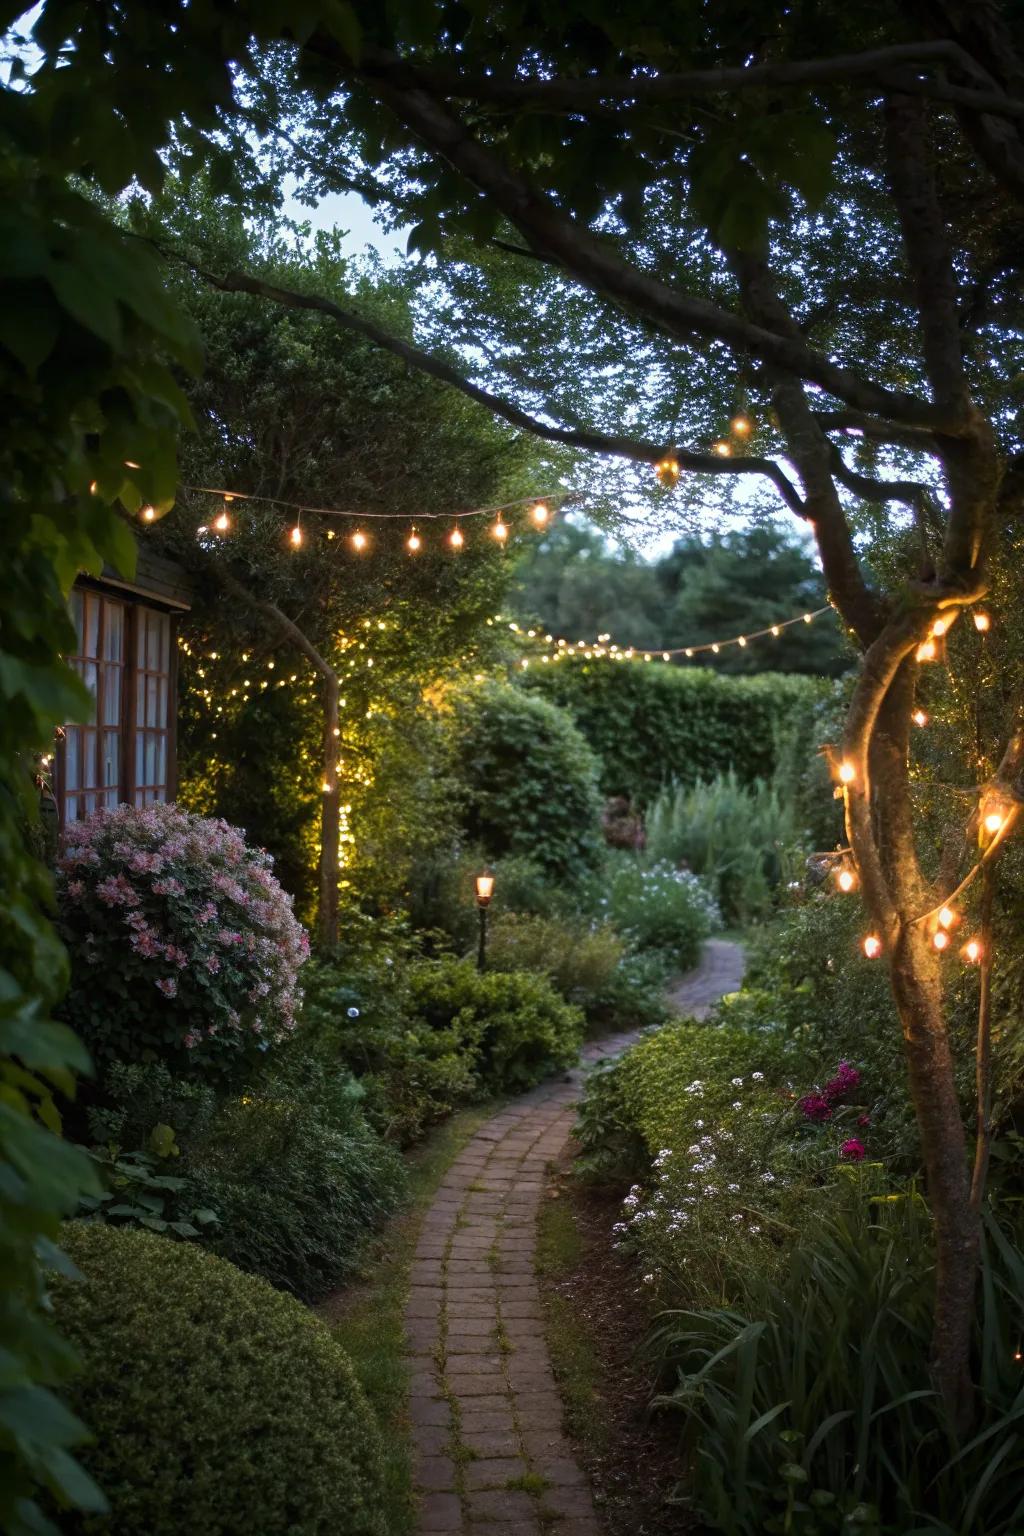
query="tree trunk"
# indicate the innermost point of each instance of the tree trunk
(330, 817)
(914, 974)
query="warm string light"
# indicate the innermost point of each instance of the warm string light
(846, 772)
(919, 717)
(602, 649)
(872, 946)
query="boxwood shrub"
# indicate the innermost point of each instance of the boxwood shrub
(218, 1405)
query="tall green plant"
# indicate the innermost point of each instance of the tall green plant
(741, 838)
(810, 1411)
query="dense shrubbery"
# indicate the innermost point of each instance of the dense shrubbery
(740, 838)
(656, 908)
(580, 958)
(652, 724)
(183, 944)
(217, 1404)
(514, 1024)
(529, 779)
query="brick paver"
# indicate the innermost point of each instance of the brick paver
(490, 1456)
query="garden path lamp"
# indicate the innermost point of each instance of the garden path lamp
(484, 892)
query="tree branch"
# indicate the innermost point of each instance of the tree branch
(591, 90)
(614, 445)
(910, 491)
(592, 259)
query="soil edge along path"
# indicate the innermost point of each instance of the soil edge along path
(490, 1458)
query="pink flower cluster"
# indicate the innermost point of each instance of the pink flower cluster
(819, 1106)
(185, 906)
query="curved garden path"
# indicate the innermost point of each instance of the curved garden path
(491, 1459)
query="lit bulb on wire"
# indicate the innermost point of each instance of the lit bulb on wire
(846, 879)
(741, 425)
(414, 543)
(982, 622)
(500, 531)
(919, 717)
(847, 772)
(148, 514)
(667, 471)
(972, 951)
(539, 513)
(222, 522)
(722, 449)
(295, 537)
(941, 939)
(927, 650)
(872, 946)
(455, 538)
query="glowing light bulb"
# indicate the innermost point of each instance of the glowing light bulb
(982, 621)
(927, 651)
(872, 946)
(455, 538)
(939, 628)
(919, 717)
(326, 786)
(941, 939)
(972, 951)
(330, 533)
(741, 425)
(947, 917)
(414, 542)
(846, 879)
(500, 531)
(540, 514)
(847, 772)
(94, 486)
(359, 539)
(808, 617)
(716, 649)
(689, 650)
(222, 522)
(148, 514)
(993, 823)
(667, 471)
(776, 631)
(722, 449)
(742, 640)
(665, 656)
(296, 537)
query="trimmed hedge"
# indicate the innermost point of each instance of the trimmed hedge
(650, 724)
(529, 780)
(218, 1405)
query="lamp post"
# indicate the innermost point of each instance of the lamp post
(484, 892)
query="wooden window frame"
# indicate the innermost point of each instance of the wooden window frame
(133, 605)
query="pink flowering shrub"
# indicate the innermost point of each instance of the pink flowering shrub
(184, 946)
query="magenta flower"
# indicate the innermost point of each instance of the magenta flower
(814, 1106)
(168, 986)
(853, 1150)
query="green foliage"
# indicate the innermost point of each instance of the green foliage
(358, 1018)
(741, 839)
(579, 958)
(809, 1408)
(649, 725)
(516, 1025)
(297, 1177)
(212, 1397)
(528, 778)
(577, 585)
(87, 342)
(656, 909)
(138, 1192)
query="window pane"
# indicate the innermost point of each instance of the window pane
(77, 615)
(151, 742)
(140, 746)
(111, 696)
(109, 758)
(160, 777)
(92, 624)
(152, 701)
(89, 802)
(88, 760)
(162, 719)
(89, 679)
(72, 760)
(113, 640)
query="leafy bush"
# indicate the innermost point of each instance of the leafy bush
(139, 1192)
(214, 1400)
(529, 779)
(741, 839)
(579, 958)
(809, 1409)
(183, 944)
(656, 907)
(650, 724)
(297, 1178)
(517, 1027)
(358, 1017)
(443, 893)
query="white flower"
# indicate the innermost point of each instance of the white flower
(737, 1105)
(737, 1217)
(353, 1013)
(711, 1189)
(754, 1230)
(648, 1279)
(737, 1082)
(631, 1200)
(620, 1226)
(767, 1178)
(727, 1136)
(734, 1189)
(694, 1151)
(698, 1125)
(757, 1077)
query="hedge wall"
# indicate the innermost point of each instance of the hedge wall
(651, 722)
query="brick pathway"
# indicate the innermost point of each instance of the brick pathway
(491, 1459)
